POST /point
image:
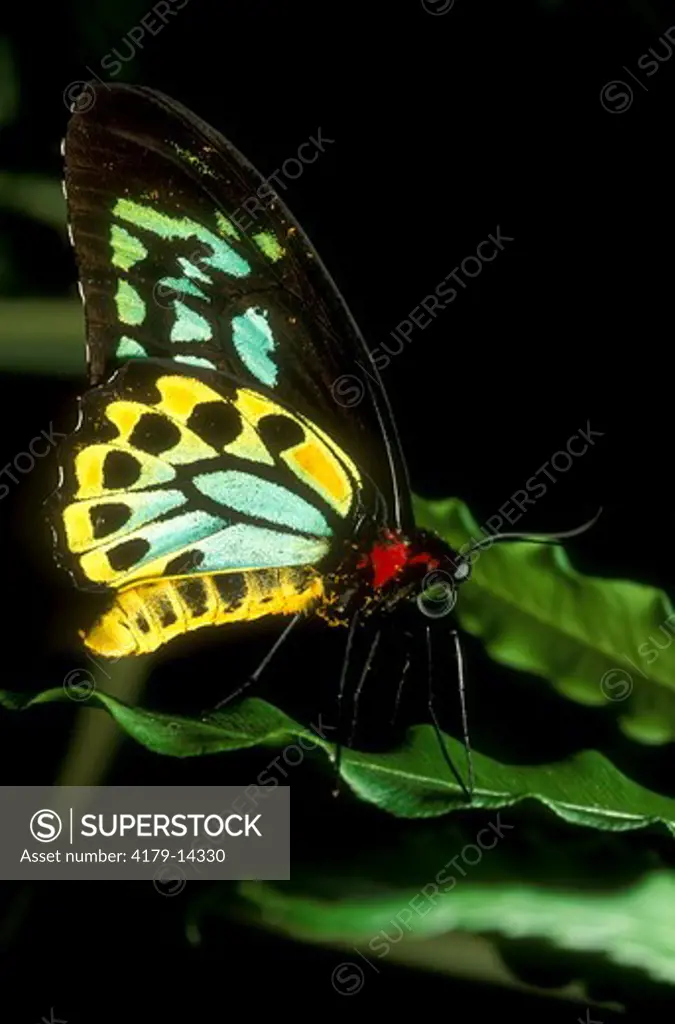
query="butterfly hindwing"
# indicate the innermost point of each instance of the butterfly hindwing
(174, 473)
(185, 253)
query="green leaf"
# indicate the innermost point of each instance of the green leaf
(631, 926)
(412, 782)
(165, 734)
(595, 640)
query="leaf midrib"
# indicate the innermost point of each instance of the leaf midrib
(548, 801)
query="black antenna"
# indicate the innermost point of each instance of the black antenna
(534, 538)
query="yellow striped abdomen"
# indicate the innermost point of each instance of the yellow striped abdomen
(146, 616)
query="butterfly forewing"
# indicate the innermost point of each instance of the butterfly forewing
(183, 254)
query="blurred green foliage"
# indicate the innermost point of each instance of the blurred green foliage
(628, 926)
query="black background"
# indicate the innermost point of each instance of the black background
(446, 128)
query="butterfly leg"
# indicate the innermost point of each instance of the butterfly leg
(436, 725)
(462, 700)
(253, 678)
(340, 696)
(399, 690)
(359, 688)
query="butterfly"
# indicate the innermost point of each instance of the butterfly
(213, 477)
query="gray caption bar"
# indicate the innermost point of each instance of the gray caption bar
(166, 834)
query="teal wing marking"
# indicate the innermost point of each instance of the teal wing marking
(130, 349)
(254, 342)
(254, 496)
(221, 257)
(177, 269)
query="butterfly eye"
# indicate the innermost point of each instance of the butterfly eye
(438, 595)
(462, 572)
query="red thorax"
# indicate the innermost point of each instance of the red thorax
(390, 556)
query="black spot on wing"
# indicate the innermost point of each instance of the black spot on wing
(137, 382)
(120, 470)
(96, 424)
(217, 423)
(129, 553)
(108, 518)
(154, 434)
(279, 432)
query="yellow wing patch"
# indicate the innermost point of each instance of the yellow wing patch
(90, 471)
(128, 417)
(314, 463)
(323, 466)
(181, 396)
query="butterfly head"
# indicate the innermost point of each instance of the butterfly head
(420, 568)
